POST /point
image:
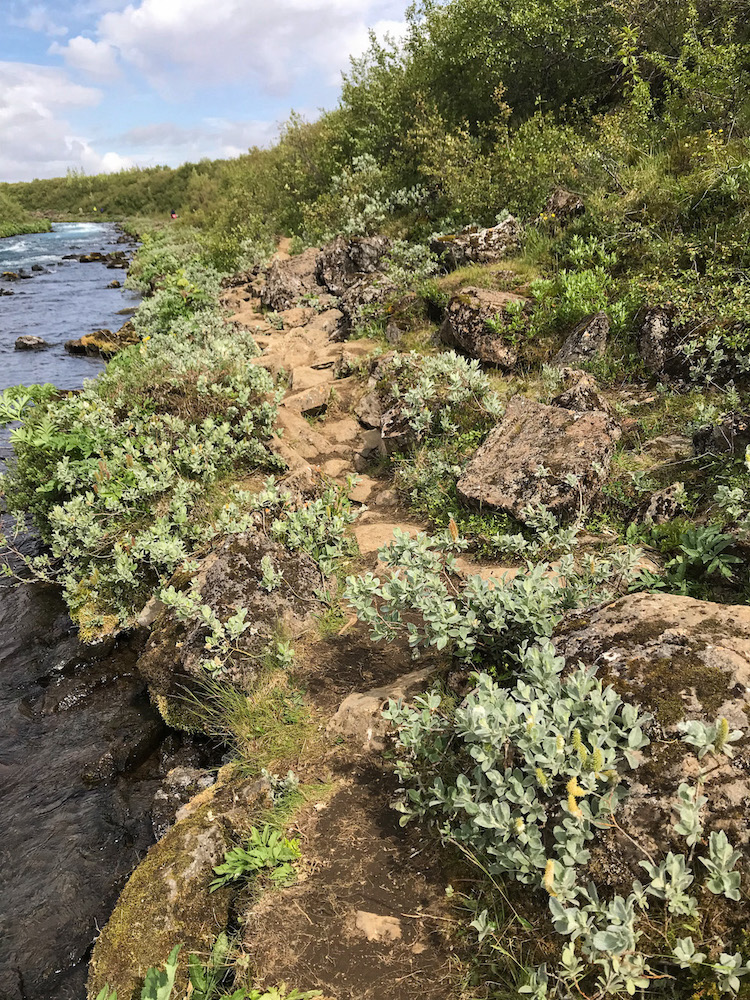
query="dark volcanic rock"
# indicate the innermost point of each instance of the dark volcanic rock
(587, 341)
(288, 280)
(540, 455)
(347, 260)
(730, 436)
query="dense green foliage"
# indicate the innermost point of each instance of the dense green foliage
(118, 476)
(15, 220)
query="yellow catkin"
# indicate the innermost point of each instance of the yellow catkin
(574, 792)
(722, 735)
(549, 878)
(597, 760)
(453, 528)
(541, 778)
(560, 743)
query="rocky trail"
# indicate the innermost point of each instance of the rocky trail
(368, 917)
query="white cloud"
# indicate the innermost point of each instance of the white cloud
(216, 138)
(179, 44)
(38, 19)
(37, 141)
(95, 59)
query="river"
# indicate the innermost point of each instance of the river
(82, 752)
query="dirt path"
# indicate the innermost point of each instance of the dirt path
(371, 921)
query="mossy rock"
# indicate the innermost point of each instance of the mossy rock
(166, 900)
(679, 659)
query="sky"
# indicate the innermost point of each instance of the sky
(99, 85)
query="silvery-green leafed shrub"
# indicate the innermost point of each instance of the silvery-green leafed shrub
(438, 395)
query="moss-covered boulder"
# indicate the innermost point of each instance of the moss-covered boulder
(680, 659)
(167, 901)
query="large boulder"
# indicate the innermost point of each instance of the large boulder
(347, 260)
(680, 659)
(467, 325)
(229, 579)
(542, 455)
(287, 280)
(586, 342)
(475, 245)
(167, 901)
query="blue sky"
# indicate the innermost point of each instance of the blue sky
(105, 84)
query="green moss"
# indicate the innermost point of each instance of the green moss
(659, 683)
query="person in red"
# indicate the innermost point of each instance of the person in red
(173, 214)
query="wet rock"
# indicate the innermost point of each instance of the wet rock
(730, 436)
(178, 788)
(23, 273)
(289, 279)
(466, 325)
(475, 245)
(665, 505)
(586, 342)
(9, 275)
(6, 291)
(581, 392)
(92, 258)
(543, 455)
(166, 901)
(29, 343)
(563, 205)
(680, 659)
(39, 268)
(103, 343)
(229, 579)
(114, 284)
(348, 260)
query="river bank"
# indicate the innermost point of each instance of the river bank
(82, 750)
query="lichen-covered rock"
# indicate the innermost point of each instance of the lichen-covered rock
(287, 280)
(665, 505)
(543, 455)
(466, 328)
(229, 579)
(680, 659)
(347, 260)
(166, 901)
(580, 392)
(657, 340)
(587, 341)
(475, 245)
(731, 436)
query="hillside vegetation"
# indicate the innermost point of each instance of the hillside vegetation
(15, 220)
(506, 281)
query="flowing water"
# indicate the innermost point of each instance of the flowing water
(82, 751)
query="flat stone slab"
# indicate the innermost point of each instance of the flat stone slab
(540, 454)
